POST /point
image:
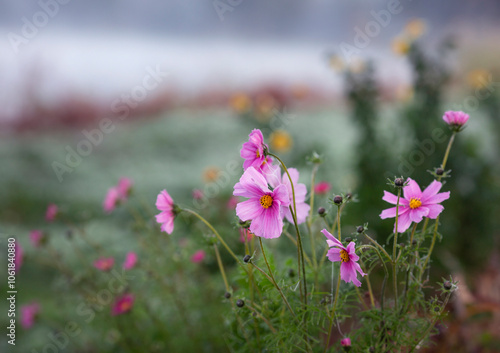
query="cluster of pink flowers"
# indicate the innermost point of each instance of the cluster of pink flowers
(117, 194)
(269, 192)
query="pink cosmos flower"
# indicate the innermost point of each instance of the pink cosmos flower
(130, 260)
(198, 257)
(415, 204)
(18, 261)
(28, 314)
(111, 199)
(455, 118)
(263, 207)
(122, 304)
(272, 175)
(347, 256)
(51, 212)
(165, 204)
(345, 342)
(253, 150)
(322, 188)
(36, 236)
(104, 264)
(124, 188)
(197, 194)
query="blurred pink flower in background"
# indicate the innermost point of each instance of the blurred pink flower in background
(18, 261)
(455, 118)
(130, 260)
(165, 204)
(197, 194)
(245, 235)
(104, 264)
(124, 188)
(233, 201)
(28, 314)
(111, 199)
(198, 256)
(36, 236)
(322, 188)
(122, 304)
(345, 342)
(51, 213)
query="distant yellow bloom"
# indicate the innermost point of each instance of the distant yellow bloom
(478, 78)
(400, 46)
(336, 63)
(210, 174)
(280, 141)
(415, 28)
(240, 102)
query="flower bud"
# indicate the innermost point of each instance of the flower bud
(337, 200)
(240, 303)
(399, 182)
(439, 171)
(321, 211)
(447, 285)
(227, 295)
(246, 259)
(348, 239)
(291, 273)
(346, 344)
(360, 229)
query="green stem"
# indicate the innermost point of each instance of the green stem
(427, 258)
(299, 241)
(218, 237)
(338, 223)
(447, 153)
(394, 260)
(271, 277)
(309, 219)
(332, 314)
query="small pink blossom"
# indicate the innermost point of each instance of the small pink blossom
(166, 217)
(124, 188)
(198, 257)
(28, 314)
(197, 194)
(19, 252)
(245, 235)
(455, 118)
(51, 213)
(111, 200)
(253, 150)
(322, 188)
(122, 304)
(130, 260)
(36, 237)
(104, 264)
(415, 204)
(233, 201)
(345, 342)
(347, 256)
(264, 206)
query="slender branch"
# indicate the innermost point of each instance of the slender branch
(332, 313)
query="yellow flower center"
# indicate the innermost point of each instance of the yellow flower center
(266, 201)
(415, 203)
(344, 256)
(258, 154)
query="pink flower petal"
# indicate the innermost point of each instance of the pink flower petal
(438, 198)
(417, 214)
(249, 209)
(281, 194)
(330, 237)
(404, 222)
(333, 254)
(434, 210)
(269, 224)
(431, 190)
(412, 190)
(352, 252)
